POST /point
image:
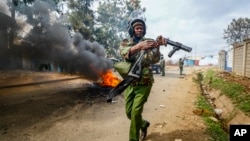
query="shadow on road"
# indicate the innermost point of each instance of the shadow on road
(184, 135)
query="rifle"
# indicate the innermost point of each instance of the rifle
(135, 71)
(177, 46)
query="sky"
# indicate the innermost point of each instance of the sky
(195, 23)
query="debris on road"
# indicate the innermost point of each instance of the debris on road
(162, 106)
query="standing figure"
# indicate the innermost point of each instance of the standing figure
(136, 94)
(181, 64)
(162, 63)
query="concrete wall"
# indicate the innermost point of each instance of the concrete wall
(241, 58)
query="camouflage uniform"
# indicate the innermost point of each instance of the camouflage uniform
(137, 93)
(181, 63)
(162, 62)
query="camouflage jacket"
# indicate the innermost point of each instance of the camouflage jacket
(181, 63)
(150, 58)
(162, 63)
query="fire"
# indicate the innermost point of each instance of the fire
(109, 79)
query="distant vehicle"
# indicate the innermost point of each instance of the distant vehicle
(156, 68)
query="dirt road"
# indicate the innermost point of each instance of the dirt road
(73, 109)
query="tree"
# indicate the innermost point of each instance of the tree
(111, 23)
(82, 17)
(132, 5)
(237, 31)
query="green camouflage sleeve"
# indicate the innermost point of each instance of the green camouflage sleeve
(153, 56)
(124, 49)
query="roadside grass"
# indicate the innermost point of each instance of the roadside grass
(214, 129)
(237, 92)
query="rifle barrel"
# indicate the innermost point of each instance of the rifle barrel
(179, 45)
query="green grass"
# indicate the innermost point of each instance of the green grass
(233, 90)
(202, 104)
(237, 92)
(214, 129)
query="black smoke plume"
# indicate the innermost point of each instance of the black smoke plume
(48, 41)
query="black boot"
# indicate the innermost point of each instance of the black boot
(144, 131)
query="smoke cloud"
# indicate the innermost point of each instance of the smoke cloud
(49, 41)
(4, 8)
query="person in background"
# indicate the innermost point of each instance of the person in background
(181, 64)
(136, 94)
(162, 63)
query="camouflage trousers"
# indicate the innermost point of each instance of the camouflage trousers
(181, 70)
(163, 71)
(135, 98)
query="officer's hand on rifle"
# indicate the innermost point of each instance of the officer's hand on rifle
(144, 45)
(147, 44)
(161, 40)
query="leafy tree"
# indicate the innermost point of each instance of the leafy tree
(111, 23)
(132, 5)
(237, 30)
(82, 17)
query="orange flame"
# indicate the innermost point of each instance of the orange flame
(109, 79)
